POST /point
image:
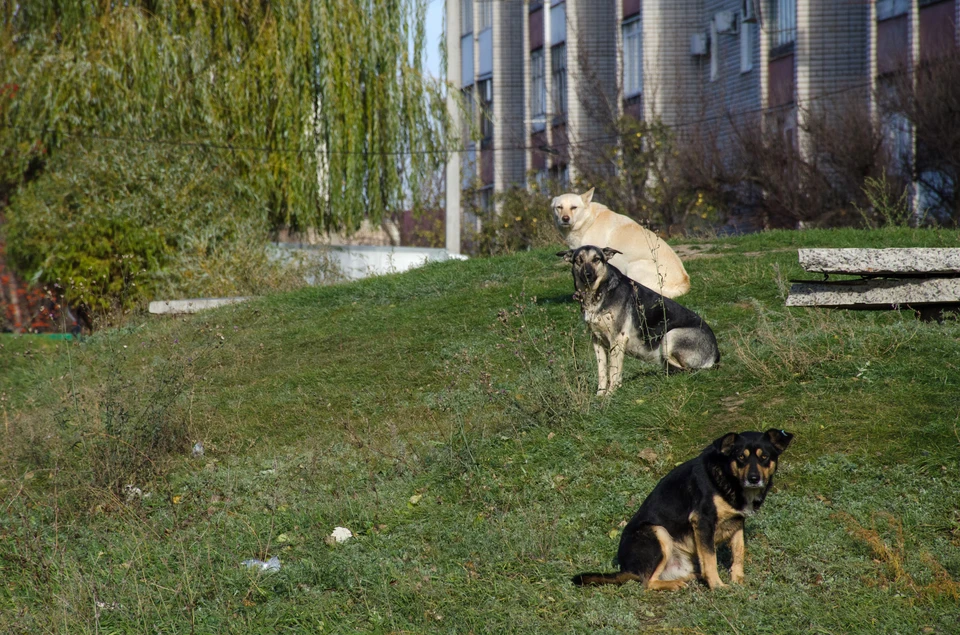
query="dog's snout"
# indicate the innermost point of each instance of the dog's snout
(565, 218)
(754, 478)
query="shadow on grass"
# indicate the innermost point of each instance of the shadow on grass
(565, 298)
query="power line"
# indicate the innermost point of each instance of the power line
(272, 149)
(612, 136)
(229, 147)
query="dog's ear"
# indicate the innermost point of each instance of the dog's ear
(553, 203)
(566, 255)
(610, 252)
(587, 196)
(724, 445)
(779, 438)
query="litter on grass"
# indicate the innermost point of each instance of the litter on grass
(341, 534)
(273, 564)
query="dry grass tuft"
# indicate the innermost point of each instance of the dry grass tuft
(892, 553)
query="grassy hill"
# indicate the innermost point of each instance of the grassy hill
(446, 417)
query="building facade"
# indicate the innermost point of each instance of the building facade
(542, 78)
(904, 37)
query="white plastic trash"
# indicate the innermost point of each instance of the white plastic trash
(273, 564)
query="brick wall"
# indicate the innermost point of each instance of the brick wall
(592, 69)
(832, 62)
(509, 97)
(735, 95)
(672, 77)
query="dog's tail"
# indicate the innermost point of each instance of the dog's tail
(588, 579)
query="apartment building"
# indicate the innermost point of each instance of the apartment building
(904, 36)
(541, 77)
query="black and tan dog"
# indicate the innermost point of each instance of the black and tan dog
(697, 506)
(626, 317)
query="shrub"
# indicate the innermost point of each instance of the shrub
(519, 219)
(115, 225)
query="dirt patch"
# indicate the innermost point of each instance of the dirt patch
(693, 252)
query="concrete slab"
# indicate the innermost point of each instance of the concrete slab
(880, 293)
(361, 261)
(175, 307)
(913, 261)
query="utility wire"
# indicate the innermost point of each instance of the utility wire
(612, 136)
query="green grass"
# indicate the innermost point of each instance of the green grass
(446, 416)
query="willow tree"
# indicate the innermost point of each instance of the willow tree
(321, 105)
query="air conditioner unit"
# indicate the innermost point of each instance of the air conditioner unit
(725, 21)
(748, 10)
(698, 44)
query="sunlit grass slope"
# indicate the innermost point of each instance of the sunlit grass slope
(446, 417)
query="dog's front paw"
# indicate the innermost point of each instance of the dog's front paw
(736, 578)
(601, 392)
(716, 584)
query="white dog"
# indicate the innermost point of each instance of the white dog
(644, 257)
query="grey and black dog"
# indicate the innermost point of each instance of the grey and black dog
(626, 317)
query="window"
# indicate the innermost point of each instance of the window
(469, 115)
(538, 90)
(485, 48)
(485, 94)
(558, 23)
(714, 51)
(486, 199)
(558, 75)
(887, 9)
(466, 17)
(897, 138)
(485, 18)
(468, 172)
(466, 60)
(785, 22)
(561, 174)
(632, 58)
(748, 10)
(746, 44)
(542, 179)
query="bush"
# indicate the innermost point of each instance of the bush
(116, 225)
(519, 219)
